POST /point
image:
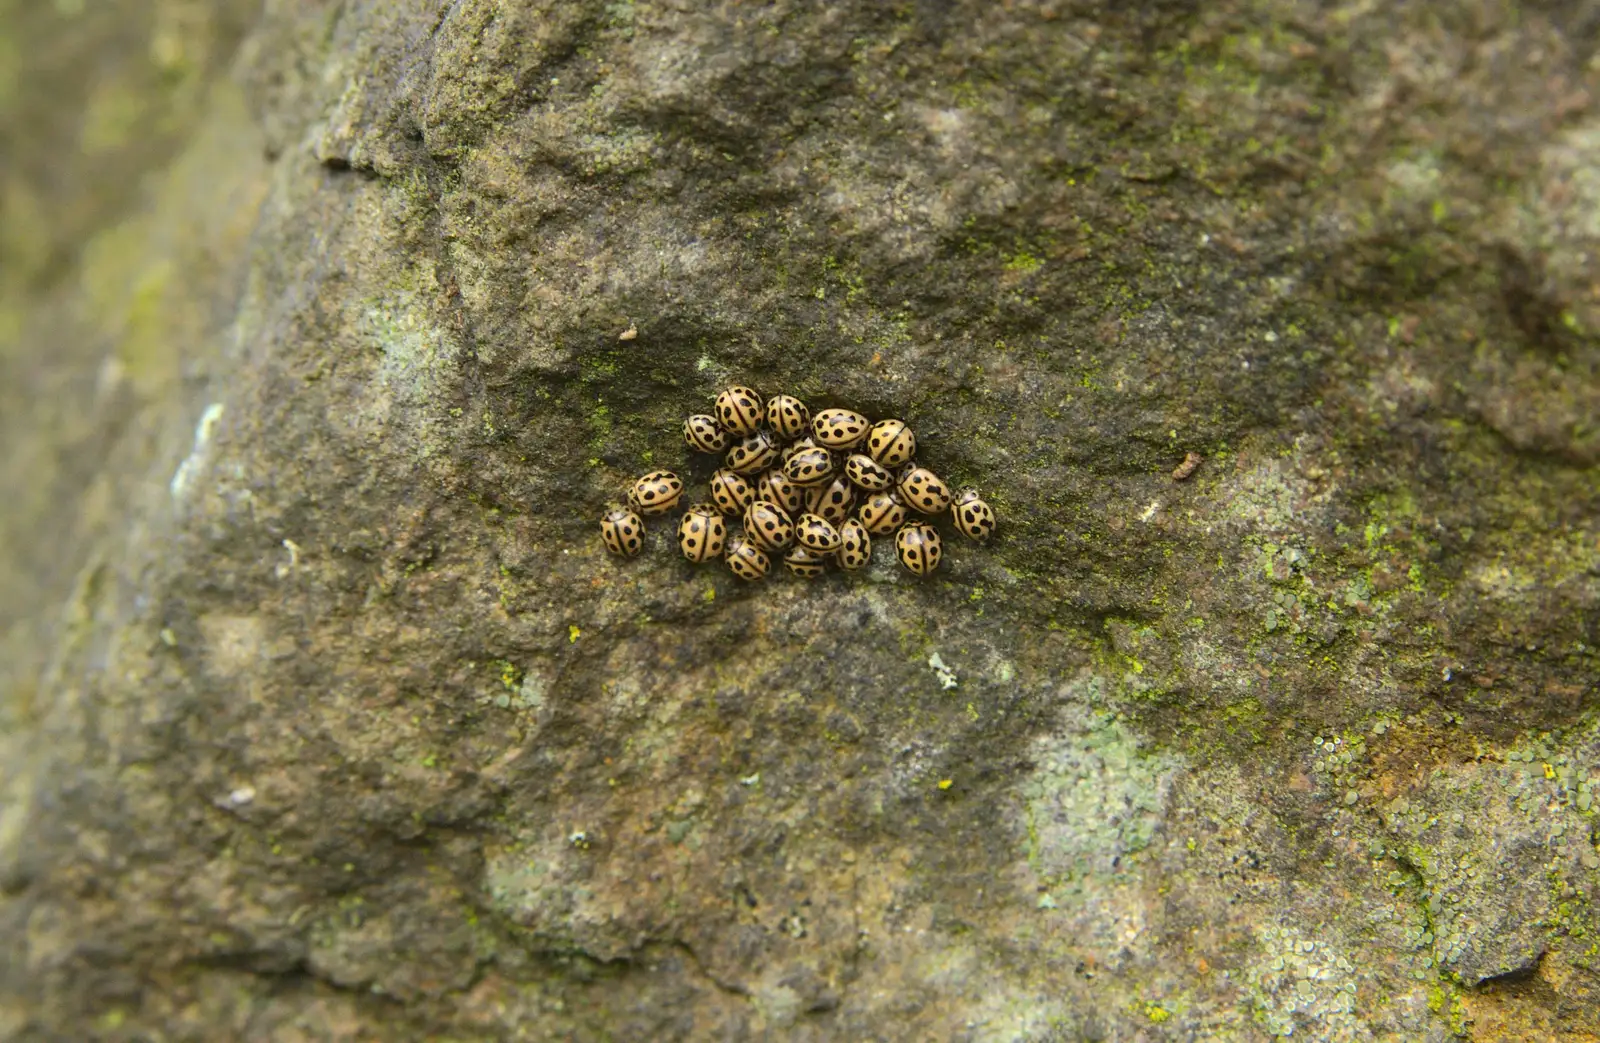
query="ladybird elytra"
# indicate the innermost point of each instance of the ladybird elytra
(731, 492)
(803, 561)
(774, 485)
(809, 466)
(797, 446)
(752, 453)
(622, 531)
(814, 532)
(701, 433)
(831, 501)
(891, 442)
(767, 526)
(739, 410)
(855, 546)
(788, 416)
(701, 532)
(974, 518)
(882, 512)
(917, 545)
(655, 493)
(922, 490)
(745, 559)
(839, 428)
(867, 473)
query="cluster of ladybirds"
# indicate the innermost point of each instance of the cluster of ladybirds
(807, 488)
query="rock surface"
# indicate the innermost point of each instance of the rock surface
(323, 715)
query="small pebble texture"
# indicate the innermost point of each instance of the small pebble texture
(325, 714)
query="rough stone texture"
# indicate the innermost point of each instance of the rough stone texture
(325, 716)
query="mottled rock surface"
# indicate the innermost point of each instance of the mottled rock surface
(324, 716)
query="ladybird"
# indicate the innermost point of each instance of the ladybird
(922, 490)
(972, 516)
(788, 416)
(839, 428)
(882, 512)
(867, 472)
(622, 531)
(701, 532)
(753, 453)
(855, 546)
(701, 433)
(795, 447)
(767, 526)
(731, 492)
(831, 501)
(809, 466)
(891, 442)
(656, 493)
(745, 559)
(803, 561)
(775, 486)
(918, 547)
(738, 410)
(815, 532)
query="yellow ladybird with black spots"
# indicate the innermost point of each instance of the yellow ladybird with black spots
(656, 493)
(775, 486)
(974, 518)
(788, 416)
(745, 559)
(815, 532)
(731, 492)
(882, 513)
(801, 487)
(701, 533)
(855, 546)
(803, 561)
(622, 531)
(797, 446)
(919, 549)
(867, 473)
(831, 501)
(922, 490)
(839, 428)
(767, 526)
(891, 442)
(739, 410)
(752, 453)
(809, 466)
(701, 433)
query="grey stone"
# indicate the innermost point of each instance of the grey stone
(314, 384)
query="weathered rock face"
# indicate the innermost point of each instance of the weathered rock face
(326, 716)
